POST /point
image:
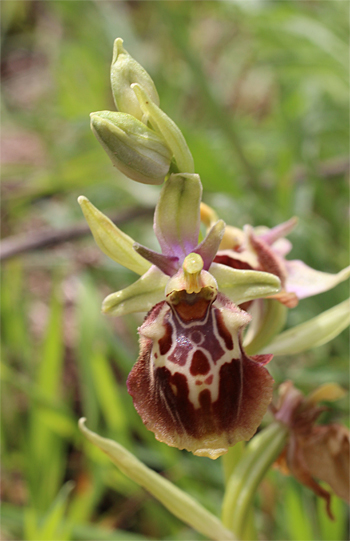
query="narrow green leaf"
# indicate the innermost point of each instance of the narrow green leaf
(45, 447)
(90, 324)
(54, 527)
(175, 500)
(108, 394)
(64, 423)
(297, 518)
(315, 332)
(13, 519)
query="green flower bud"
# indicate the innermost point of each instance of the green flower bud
(138, 152)
(124, 72)
(167, 128)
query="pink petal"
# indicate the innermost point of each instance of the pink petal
(279, 231)
(208, 248)
(305, 281)
(268, 260)
(166, 263)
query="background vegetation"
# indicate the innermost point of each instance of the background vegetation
(260, 91)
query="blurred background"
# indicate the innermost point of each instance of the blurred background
(260, 91)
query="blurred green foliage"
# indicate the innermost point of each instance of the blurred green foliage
(260, 91)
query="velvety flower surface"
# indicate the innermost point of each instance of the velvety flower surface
(314, 451)
(193, 385)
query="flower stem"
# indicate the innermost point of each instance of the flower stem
(231, 459)
(259, 455)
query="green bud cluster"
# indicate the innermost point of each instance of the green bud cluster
(140, 139)
(138, 152)
(124, 72)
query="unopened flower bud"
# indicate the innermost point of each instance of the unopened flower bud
(134, 149)
(124, 72)
(167, 128)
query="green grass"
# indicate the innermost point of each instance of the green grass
(260, 91)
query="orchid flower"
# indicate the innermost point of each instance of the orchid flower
(261, 248)
(199, 384)
(192, 385)
(265, 249)
(314, 451)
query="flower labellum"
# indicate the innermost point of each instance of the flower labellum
(193, 385)
(138, 152)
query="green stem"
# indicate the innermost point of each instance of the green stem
(231, 459)
(259, 455)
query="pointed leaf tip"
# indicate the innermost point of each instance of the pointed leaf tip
(82, 199)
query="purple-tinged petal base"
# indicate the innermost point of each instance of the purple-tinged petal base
(166, 263)
(208, 248)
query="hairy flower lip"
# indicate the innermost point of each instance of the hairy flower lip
(192, 385)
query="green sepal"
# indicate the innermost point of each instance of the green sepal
(138, 152)
(177, 215)
(111, 240)
(167, 127)
(178, 502)
(141, 296)
(125, 71)
(313, 333)
(244, 285)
